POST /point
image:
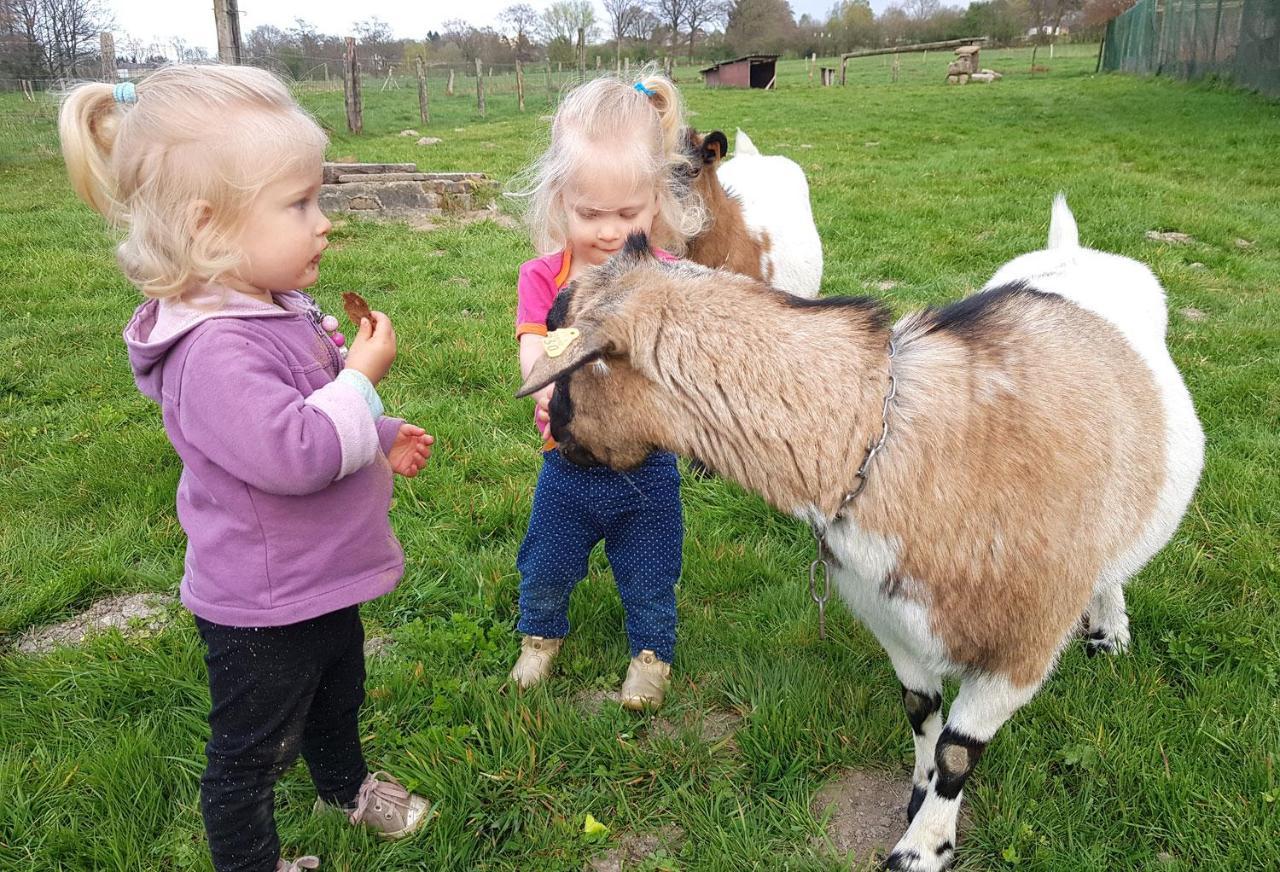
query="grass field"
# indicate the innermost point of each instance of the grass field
(1161, 759)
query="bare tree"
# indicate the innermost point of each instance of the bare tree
(698, 14)
(52, 38)
(921, 10)
(521, 22)
(671, 13)
(625, 17)
(561, 20)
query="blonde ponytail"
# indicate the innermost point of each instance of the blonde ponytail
(195, 140)
(87, 125)
(665, 100)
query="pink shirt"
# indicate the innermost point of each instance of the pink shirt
(541, 279)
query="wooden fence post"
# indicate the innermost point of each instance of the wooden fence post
(108, 56)
(479, 87)
(226, 14)
(582, 55)
(424, 100)
(351, 88)
(549, 91)
(520, 84)
(448, 89)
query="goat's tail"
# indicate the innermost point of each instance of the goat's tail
(742, 144)
(1063, 232)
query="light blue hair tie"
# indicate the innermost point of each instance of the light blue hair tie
(125, 92)
(648, 92)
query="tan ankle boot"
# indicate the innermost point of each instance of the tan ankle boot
(646, 683)
(536, 656)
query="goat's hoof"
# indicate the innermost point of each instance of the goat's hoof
(1100, 641)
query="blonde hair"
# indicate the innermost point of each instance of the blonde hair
(196, 135)
(611, 110)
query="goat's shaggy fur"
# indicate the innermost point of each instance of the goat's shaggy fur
(1042, 448)
(760, 223)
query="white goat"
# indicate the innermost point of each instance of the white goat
(1041, 447)
(761, 220)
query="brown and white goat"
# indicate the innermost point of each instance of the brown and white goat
(760, 223)
(1041, 448)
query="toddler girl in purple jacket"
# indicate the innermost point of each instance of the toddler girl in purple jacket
(213, 175)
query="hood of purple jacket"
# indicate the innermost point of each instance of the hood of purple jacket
(157, 325)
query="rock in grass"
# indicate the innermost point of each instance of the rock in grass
(137, 614)
(1172, 237)
(429, 140)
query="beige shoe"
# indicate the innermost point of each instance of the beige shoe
(536, 656)
(299, 865)
(384, 806)
(646, 682)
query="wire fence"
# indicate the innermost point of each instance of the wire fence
(1235, 39)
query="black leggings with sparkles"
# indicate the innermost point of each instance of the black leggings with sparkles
(278, 692)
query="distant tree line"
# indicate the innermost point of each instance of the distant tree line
(58, 39)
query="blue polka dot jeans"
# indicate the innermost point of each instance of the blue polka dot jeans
(638, 515)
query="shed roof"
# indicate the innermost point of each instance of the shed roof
(755, 57)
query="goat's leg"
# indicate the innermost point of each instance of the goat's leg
(1108, 620)
(980, 708)
(922, 698)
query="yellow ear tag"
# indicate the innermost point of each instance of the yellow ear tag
(558, 340)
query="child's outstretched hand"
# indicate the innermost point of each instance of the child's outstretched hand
(410, 451)
(374, 348)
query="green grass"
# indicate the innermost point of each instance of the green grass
(1161, 759)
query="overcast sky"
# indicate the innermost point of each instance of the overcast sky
(192, 20)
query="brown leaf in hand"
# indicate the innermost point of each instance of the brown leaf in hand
(356, 308)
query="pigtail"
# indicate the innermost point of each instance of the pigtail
(665, 99)
(682, 214)
(87, 125)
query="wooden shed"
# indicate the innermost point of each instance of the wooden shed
(752, 71)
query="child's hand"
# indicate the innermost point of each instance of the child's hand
(542, 410)
(411, 449)
(374, 348)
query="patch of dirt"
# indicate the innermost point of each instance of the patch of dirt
(430, 140)
(410, 133)
(594, 700)
(712, 727)
(1243, 243)
(427, 223)
(883, 285)
(634, 848)
(138, 614)
(1191, 313)
(376, 646)
(1172, 237)
(868, 813)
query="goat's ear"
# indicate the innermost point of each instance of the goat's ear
(567, 349)
(714, 147)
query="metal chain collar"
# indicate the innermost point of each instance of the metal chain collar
(860, 479)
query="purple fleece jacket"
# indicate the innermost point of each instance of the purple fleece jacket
(285, 483)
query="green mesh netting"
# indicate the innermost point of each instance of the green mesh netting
(1236, 39)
